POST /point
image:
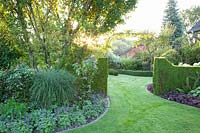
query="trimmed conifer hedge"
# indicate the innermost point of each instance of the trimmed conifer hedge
(167, 76)
(101, 77)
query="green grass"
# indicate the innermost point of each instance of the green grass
(134, 110)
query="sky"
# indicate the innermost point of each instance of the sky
(149, 14)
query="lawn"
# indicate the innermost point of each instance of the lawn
(133, 109)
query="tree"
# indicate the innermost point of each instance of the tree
(157, 45)
(191, 16)
(48, 29)
(172, 17)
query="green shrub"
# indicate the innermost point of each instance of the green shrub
(101, 76)
(136, 73)
(113, 72)
(13, 110)
(19, 126)
(168, 77)
(190, 54)
(89, 111)
(3, 127)
(195, 92)
(173, 56)
(8, 54)
(77, 118)
(85, 72)
(42, 121)
(63, 120)
(53, 87)
(15, 84)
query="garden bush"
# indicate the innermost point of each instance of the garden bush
(190, 54)
(85, 72)
(53, 87)
(113, 72)
(12, 110)
(173, 56)
(15, 83)
(195, 92)
(167, 76)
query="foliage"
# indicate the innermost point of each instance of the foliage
(101, 76)
(191, 16)
(113, 72)
(93, 108)
(16, 117)
(63, 120)
(121, 46)
(156, 45)
(47, 29)
(12, 110)
(113, 60)
(77, 118)
(192, 82)
(172, 17)
(42, 120)
(172, 55)
(85, 72)
(136, 73)
(190, 54)
(53, 87)
(19, 127)
(8, 56)
(3, 127)
(195, 92)
(15, 83)
(167, 77)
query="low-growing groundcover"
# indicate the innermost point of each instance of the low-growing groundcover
(17, 118)
(134, 110)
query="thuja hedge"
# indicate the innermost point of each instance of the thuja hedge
(167, 76)
(135, 73)
(100, 79)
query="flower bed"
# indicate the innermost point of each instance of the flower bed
(178, 97)
(17, 117)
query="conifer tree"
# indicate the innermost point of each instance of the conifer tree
(172, 17)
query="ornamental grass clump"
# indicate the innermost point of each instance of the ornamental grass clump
(53, 87)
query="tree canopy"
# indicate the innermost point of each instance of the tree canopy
(191, 16)
(46, 29)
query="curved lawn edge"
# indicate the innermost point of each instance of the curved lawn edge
(92, 122)
(132, 109)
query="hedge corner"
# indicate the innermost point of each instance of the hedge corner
(167, 76)
(101, 77)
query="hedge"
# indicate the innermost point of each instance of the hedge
(167, 76)
(101, 77)
(113, 72)
(136, 73)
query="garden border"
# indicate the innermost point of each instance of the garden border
(97, 119)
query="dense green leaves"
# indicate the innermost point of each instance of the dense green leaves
(172, 17)
(47, 29)
(191, 16)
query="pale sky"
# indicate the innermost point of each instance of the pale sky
(149, 14)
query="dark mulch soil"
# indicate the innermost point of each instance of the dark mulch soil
(179, 97)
